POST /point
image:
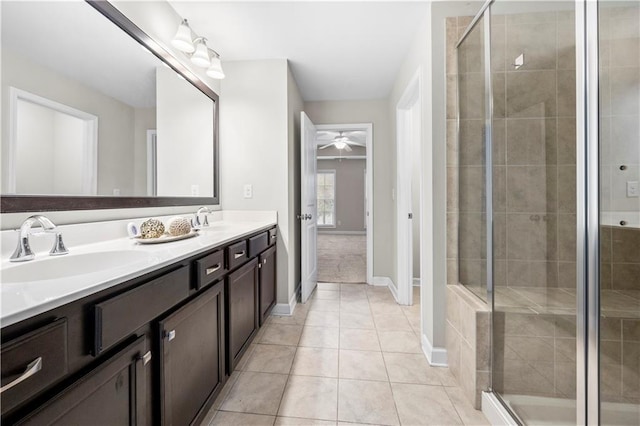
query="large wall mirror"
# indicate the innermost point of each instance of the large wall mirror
(92, 117)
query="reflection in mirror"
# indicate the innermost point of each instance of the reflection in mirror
(89, 111)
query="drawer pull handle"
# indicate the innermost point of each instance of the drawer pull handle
(146, 358)
(273, 236)
(264, 261)
(33, 367)
(238, 255)
(212, 270)
(171, 335)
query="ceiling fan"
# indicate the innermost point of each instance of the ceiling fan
(342, 140)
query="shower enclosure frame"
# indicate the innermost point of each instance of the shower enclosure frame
(587, 201)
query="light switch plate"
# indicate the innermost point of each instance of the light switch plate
(248, 190)
(632, 189)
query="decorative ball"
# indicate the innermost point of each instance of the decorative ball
(178, 226)
(151, 228)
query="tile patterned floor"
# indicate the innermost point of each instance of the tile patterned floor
(342, 258)
(349, 356)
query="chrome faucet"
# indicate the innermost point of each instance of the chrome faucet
(23, 251)
(196, 223)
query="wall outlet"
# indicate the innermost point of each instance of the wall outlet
(116, 191)
(195, 190)
(248, 190)
(632, 189)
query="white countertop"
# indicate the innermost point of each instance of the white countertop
(22, 300)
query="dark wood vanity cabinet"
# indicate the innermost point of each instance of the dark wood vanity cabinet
(153, 350)
(192, 357)
(242, 311)
(267, 288)
(113, 393)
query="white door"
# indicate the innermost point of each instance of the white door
(308, 208)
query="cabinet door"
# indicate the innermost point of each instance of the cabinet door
(267, 282)
(242, 311)
(192, 357)
(114, 393)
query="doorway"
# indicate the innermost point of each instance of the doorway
(409, 202)
(52, 147)
(345, 203)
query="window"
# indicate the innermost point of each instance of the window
(326, 193)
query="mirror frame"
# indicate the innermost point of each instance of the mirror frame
(36, 203)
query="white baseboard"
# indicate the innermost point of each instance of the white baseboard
(495, 412)
(381, 281)
(322, 231)
(386, 282)
(394, 291)
(436, 356)
(287, 308)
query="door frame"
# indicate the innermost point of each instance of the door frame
(410, 100)
(368, 128)
(90, 151)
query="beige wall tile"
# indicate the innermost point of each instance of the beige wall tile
(531, 94)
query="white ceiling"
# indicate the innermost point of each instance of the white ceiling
(337, 50)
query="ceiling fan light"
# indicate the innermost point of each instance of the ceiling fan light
(340, 144)
(182, 40)
(201, 55)
(215, 70)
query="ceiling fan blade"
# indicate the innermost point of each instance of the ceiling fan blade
(326, 146)
(347, 148)
(327, 133)
(355, 133)
(357, 144)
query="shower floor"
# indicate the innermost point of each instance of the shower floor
(543, 411)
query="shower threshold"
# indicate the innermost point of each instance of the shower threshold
(547, 411)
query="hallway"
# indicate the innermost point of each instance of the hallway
(349, 356)
(342, 258)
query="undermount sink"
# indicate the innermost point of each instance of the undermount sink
(71, 265)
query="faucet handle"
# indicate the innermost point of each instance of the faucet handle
(58, 246)
(23, 252)
(205, 222)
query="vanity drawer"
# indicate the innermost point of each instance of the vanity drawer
(258, 244)
(141, 305)
(32, 362)
(237, 254)
(273, 234)
(210, 268)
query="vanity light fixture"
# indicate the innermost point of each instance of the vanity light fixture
(215, 69)
(188, 42)
(183, 40)
(201, 56)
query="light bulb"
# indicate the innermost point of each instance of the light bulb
(340, 144)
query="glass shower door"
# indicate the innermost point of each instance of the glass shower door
(619, 108)
(534, 209)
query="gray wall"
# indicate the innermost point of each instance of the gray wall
(376, 112)
(349, 194)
